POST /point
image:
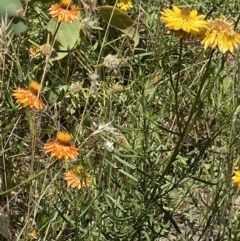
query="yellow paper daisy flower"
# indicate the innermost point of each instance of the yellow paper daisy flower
(183, 21)
(64, 11)
(124, 4)
(29, 97)
(77, 178)
(61, 148)
(34, 50)
(220, 34)
(236, 178)
(33, 234)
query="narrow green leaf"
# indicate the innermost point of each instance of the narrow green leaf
(124, 162)
(203, 181)
(128, 175)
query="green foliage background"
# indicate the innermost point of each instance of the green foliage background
(159, 134)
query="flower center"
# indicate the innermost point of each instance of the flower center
(34, 87)
(124, 2)
(185, 13)
(65, 3)
(221, 25)
(64, 138)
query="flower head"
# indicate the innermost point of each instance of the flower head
(236, 178)
(33, 234)
(183, 20)
(77, 178)
(64, 11)
(111, 61)
(124, 4)
(220, 33)
(34, 50)
(46, 49)
(29, 97)
(61, 148)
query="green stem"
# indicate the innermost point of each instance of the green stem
(177, 86)
(192, 117)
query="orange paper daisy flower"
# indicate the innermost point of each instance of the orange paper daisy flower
(29, 97)
(64, 11)
(77, 178)
(61, 148)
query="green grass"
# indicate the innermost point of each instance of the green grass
(171, 112)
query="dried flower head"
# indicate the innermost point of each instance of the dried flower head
(29, 97)
(87, 23)
(64, 11)
(46, 49)
(111, 61)
(220, 33)
(61, 148)
(183, 21)
(75, 87)
(77, 178)
(121, 139)
(115, 88)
